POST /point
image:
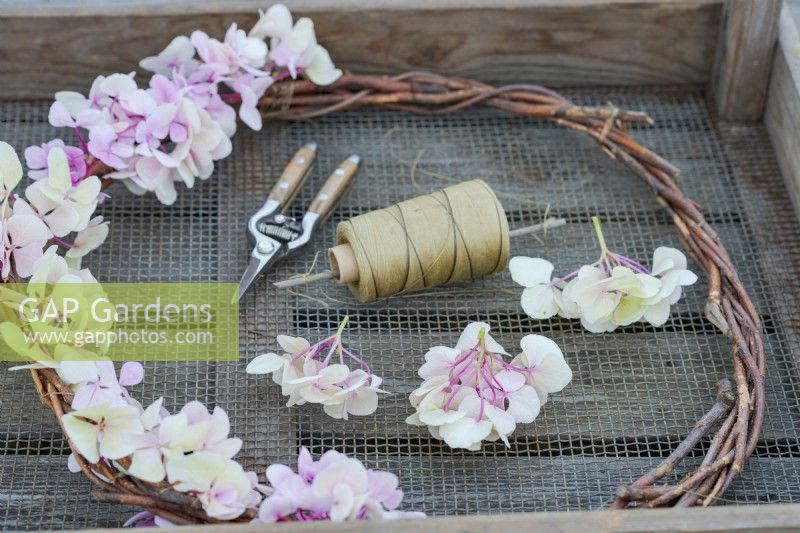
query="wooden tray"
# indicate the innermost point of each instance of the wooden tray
(726, 47)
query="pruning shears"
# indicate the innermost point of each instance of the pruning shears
(276, 236)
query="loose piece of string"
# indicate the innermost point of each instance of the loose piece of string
(415, 168)
(609, 123)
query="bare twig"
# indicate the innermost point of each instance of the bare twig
(724, 403)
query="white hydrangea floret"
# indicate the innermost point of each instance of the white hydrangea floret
(308, 374)
(611, 292)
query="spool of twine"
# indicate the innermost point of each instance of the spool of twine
(455, 234)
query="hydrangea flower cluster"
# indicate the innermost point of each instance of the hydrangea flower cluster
(174, 129)
(191, 449)
(611, 292)
(193, 452)
(334, 488)
(470, 393)
(310, 373)
(55, 211)
(171, 131)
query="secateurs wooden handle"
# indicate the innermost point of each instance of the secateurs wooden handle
(275, 235)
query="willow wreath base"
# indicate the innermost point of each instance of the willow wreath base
(738, 411)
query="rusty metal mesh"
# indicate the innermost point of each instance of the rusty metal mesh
(634, 392)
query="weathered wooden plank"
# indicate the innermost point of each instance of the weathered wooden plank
(133, 7)
(40, 490)
(740, 519)
(744, 58)
(57, 499)
(782, 116)
(65, 45)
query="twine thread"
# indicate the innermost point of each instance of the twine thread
(454, 234)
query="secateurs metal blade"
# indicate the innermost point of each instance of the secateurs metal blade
(276, 236)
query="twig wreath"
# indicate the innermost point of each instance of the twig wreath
(178, 468)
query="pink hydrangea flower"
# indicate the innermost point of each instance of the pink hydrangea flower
(470, 393)
(226, 58)
(209, 430)
(335, 488)
(101, 384)
(63, 207)
(88, 239)
(148, 174)
(294, 46)
(108, 146)
(221, 485)
(613, 291)
(158, 124)
(10, 173)
(23, 236)
(312, 374)
(251, 89)
(178, 56)
(177, 127)
(58, 116)
(104, 430)
(147, 519)
(36, 160)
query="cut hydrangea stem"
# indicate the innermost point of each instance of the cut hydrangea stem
(62, 242)
(607, 261)
(358, 360)
(81, 139)
(331, 351)
(231, 98)
(476, 368)
(333, 345)
(481, 346)
(509, 366)
(285, 75)
(564, 278)
(630, 263)
(342, 325)
(598, 230)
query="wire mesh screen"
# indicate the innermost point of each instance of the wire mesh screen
(634, 394)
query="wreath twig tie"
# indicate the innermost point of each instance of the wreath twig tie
(610, 121)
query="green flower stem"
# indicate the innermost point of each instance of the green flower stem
(344, 322)
(339, 331)
(598, 230)
(482, 346)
